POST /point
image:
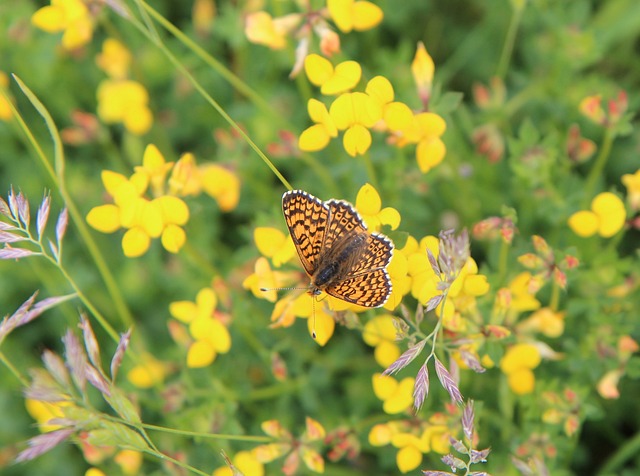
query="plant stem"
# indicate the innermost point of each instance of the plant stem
(598, 167)
(507, 50)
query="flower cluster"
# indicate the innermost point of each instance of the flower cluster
(164, 215)
(208, 335)
(73, 17)
(262, 28)
(121, 99)
(357, 113)
(606, 217)
(414, 438)
(296, 449)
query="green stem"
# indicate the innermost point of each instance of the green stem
(555, 296)
(503, 262)
(216, 436)
(23, 381)
(507, 50)
(598, 167)
(179, 66)
(628, 451)
(371, 171)
(57, 177)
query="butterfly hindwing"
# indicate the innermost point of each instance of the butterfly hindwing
(368, 289)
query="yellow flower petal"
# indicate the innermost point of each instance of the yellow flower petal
(184, 311)
(135, 242)
(173, 238)
(584, 223)
(366, 15)
(345, 77)
(611, 212)
(200, 354)
(522, 381)
(408, 459)
(318, 69)
(314, 138)
(104, 218)
(357, 140)
(429, 153)
(380, 89)
(222, 184)
(49, 19)
(174, 210)
(397, 116)
(390, 216)
(422, 68)
(324, 327)
(520, 356)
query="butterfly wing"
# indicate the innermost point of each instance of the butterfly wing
(306, 217)
(344, 223)
(367, 283)
(368, 289)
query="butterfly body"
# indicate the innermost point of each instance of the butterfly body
(337, 252)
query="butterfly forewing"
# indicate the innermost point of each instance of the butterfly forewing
(344, 223)
(306, 218)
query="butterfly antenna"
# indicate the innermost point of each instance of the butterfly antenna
(313, 311)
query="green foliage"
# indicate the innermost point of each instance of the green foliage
(511, 80)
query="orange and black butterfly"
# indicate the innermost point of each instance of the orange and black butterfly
(337, 252)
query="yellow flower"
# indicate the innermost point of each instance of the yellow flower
(517, 364)
(155, 168)
(332, 81)
(591, 107)
(94, 472)
(632, 182)
(396, 115)
(71, 16)
(398, 270)
(125, 101)
(210, 336)
(545, 320)
(261, 28)
(129, 461)
(369, 206)
(5, 107)
(221, 184)
(147, 373)
(185, 177)
(143, 219)
(43, 412)
(606, 217)
(380, 333)
(298, 448)
(425, 130)
(246, 462)
(115, 59)
(317, 136)
(354, 113)
(274, 244)
(354, 15)
(423, 69)
(397, 396)
(522, 292)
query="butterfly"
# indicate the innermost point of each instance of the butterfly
(337, 252)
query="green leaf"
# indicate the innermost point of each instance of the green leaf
(123, 406)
